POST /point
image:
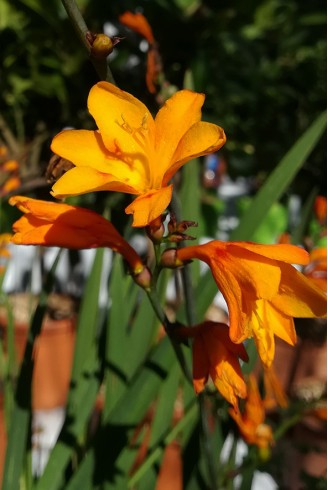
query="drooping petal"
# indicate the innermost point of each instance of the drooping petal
(201, 139)
(179, 113)
(262, 331)
(298, 296)
(80, 180)
(125, 123)
(200, 364)
(138, 23)
(149, 206)
(282, 325)
(282, 252)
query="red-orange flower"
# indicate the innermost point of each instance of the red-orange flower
(262, 289)
(216, 356)
(320, 209)
(251, 422)
(139, 24)
(60, 225)
(316, 270)
(132, 152)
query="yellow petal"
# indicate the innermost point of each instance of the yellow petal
(125, 123)
(263, 332)
(173, 120)
(298, 296)
(80, 180)
(283, 326)
(201, 139)
(83, 148)
(149, 206)
(282, 252)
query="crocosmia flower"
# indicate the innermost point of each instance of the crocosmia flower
(61, 225)
(251, 422)
(216, 356)
(262, 289)
(133, 152)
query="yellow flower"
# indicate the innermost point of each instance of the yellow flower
(216, 356)
(60, 225)
(262, 289)
(132, 152)
(251, 422)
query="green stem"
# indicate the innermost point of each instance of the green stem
(191, 318)
(75, 16)
(153, 298)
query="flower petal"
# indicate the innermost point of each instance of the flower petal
(282, 252)
(125, 123)
(83, 148)
(200, 364)
(80, 180)
(298, 296)
(149, 206)
(201, 139)
(173, 120)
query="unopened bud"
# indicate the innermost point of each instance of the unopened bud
(143, 278)
(155, 230)
(101, 46)
(169, 259)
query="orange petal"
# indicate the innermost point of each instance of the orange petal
(149, 206)
(125, 123)
(200, 364)
(298, 296)
(282, 252)
(80, 180)
(137, 23)
(173, 120)
(201, 139)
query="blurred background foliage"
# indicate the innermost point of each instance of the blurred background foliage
(261, 63)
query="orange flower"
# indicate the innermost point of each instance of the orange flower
(274, 392)
(262, 289)
(4, 241)
(132, 152)
(320, 209)
(317, 268)
(60, 225)
(10, 178)
(251, 422)
(139, 24)
(216, 356)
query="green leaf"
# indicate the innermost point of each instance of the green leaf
(274, 187)
(19, 436)
(279, 180)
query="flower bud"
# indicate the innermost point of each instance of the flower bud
(143, 278)
(169, 259)
(101, 46)
(155, 230)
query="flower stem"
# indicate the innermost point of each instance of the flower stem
(75, 16)
(153, 298)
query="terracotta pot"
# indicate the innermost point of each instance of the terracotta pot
(53, 357)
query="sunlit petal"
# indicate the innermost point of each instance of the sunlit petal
(201, 139)
(149, 206)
